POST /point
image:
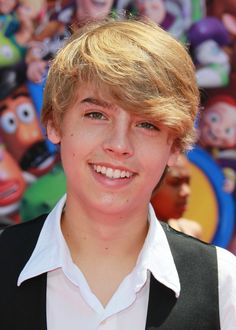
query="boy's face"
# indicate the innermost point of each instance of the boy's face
(171, 199)
(112, 159)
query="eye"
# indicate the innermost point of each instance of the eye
(214, 118)
(148, 126)
(174, 182)
(25, 112)
(95, 115)
(229, 131)
(8, 122)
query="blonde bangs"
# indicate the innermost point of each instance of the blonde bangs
(140, 70)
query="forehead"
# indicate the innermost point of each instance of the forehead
(97, 94)
(181, 168)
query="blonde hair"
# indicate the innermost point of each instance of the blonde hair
(145, 70)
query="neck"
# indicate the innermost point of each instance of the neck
(101, 233)
(104, 246)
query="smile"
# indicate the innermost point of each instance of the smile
(112, 173)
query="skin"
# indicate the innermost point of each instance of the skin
(93, 9)
(7, 6)
(218, 126)
(105, 219)
(154, 9)
(171, 199)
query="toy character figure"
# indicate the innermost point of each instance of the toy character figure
(226, 12)
(21, 132)
(217, 134)
(12, 187)
(15, 32)
(42, 195)
(208, 38)
(49, 36)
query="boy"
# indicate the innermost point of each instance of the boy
(121, 100)
(171, 199)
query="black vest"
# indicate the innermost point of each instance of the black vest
(197, 307)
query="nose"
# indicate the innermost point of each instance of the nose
(118, 141)
(185, 190)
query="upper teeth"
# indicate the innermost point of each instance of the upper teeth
(110, 173)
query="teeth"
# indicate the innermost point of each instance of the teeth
(110, 173)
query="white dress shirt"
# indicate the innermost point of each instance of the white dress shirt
(72, 305)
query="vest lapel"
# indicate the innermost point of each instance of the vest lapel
(22, 307)
(30, 300)
(161, 302)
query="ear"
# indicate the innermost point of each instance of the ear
(53, 133)
(173, 157)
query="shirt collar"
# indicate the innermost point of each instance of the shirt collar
(156, 255)
(50, 254)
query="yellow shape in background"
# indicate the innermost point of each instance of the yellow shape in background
(203, 204)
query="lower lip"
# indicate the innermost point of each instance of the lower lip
(114, 183)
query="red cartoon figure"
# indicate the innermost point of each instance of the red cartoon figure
(12, 187)
(218, 135)
(22, 134)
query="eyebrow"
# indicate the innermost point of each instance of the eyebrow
(96, 102)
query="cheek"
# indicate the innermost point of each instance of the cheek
(230, 141)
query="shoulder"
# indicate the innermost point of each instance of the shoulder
(187, 226)
(16, 245)
(226, 266)
(16, 235)
(227, 287)
(184, 241)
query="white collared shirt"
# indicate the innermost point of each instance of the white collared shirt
(72, 305)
